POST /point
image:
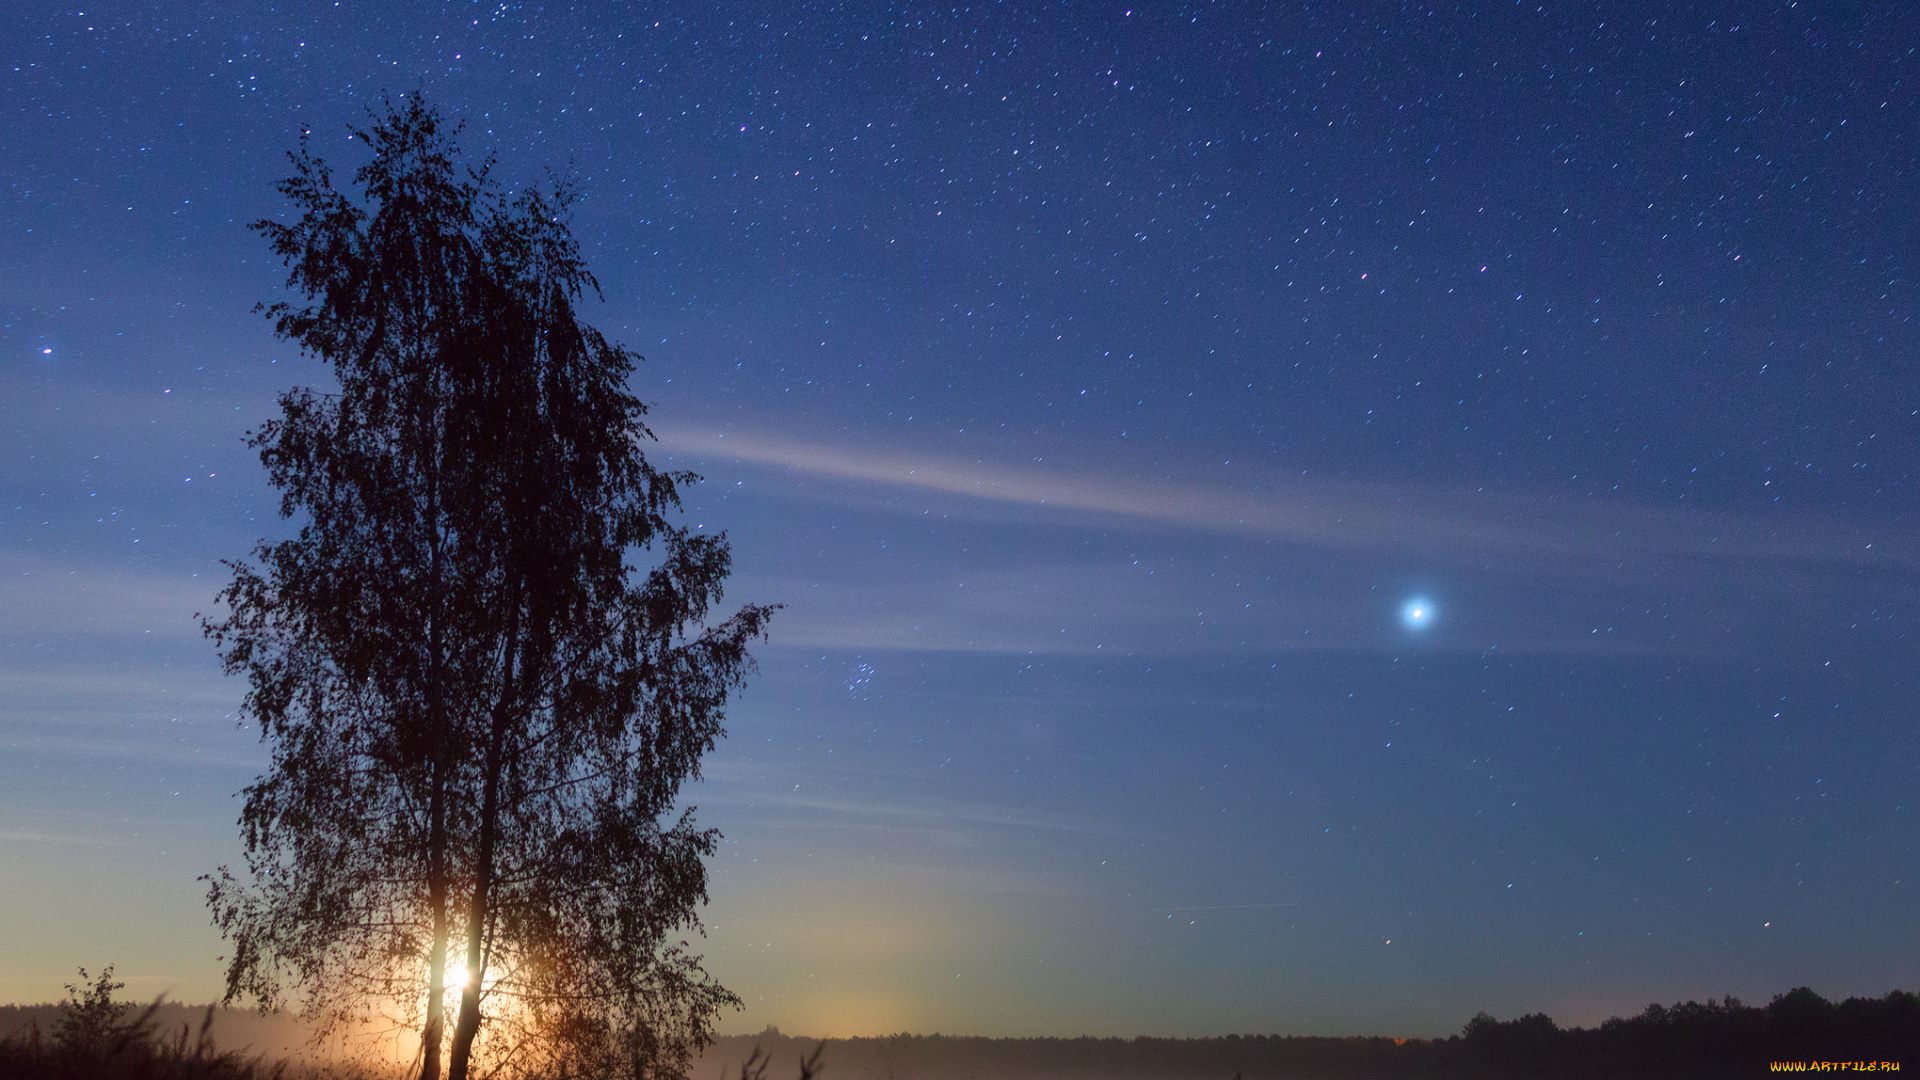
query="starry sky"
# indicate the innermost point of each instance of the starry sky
(1315, 518)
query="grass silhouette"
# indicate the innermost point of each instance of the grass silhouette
(129, 1050)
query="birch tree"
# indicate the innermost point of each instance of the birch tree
(489, 659)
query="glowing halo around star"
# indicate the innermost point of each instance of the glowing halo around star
(1417, 613)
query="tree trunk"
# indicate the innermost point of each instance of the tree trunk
(479, 912)
(433, 1033)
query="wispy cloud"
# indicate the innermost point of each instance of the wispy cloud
(895, 801)
(18, 836)
(1328, 511)
(87, 689)
(44, 595)
(1286, 564)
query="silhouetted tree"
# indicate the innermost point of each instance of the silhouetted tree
(479, 709)
(89, 1017)
(1527, 1045)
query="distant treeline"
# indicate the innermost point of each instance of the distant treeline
(1692, 1040)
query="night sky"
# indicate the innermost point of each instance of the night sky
(1302, 518)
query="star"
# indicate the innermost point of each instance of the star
(1417, 613)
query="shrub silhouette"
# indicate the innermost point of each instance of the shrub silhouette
(94, 1040)
(90, 1018)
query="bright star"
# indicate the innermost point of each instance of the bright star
(1417, 613)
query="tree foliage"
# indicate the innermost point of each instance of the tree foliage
(485, 664)
(89, 1017)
